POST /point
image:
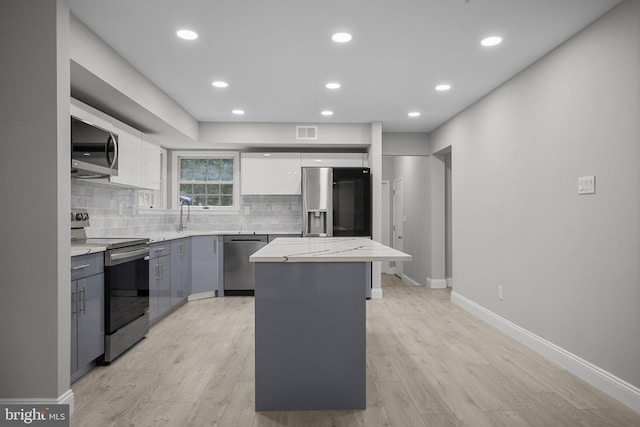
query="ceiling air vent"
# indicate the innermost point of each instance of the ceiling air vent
(306, 132)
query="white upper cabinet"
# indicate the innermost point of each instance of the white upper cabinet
(129, 156)
(334, 160)
(151, 163)
(270, 173)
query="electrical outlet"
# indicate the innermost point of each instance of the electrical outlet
(500, 293)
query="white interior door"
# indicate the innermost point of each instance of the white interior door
(398, 221)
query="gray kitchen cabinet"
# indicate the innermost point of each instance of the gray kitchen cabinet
(159, 280)
(87, 312)
(180, 270)
(205, 266)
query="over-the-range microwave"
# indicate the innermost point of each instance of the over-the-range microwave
(94, 151)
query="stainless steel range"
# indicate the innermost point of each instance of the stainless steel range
(126, 267)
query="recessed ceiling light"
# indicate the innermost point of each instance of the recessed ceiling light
(414, 114)
(238, 112)
(219, 83)
(332, 85)
(267, 155)
(318, 160)
(491, 41)
(327, 113)
(443, 87)
(341, 37)
(187, 34)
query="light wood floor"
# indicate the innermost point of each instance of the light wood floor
(429, 363)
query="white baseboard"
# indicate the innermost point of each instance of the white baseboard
(594, 375)
(202, 295)
(376, 293)
(436, 283)
(410, 281)
(449, 282)
(65, 398)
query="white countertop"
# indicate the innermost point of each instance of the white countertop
(162, 236)
(327, 249)
(172, 235)
(85, 249)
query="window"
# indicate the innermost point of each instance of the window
(209, 180)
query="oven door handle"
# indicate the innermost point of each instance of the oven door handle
(119, 258)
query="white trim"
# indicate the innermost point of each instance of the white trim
(376, 293)
(594, 375)
(66, 398)
(436, 283)
(449, 282)
(410, 281)
(202, 295)
(164, 176)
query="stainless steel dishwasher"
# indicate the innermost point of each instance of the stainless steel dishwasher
(239, 276)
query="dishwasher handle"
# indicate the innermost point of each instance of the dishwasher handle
(240, 239)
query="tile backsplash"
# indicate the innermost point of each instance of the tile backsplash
(114, 212)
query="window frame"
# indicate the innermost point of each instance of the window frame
(176, 156)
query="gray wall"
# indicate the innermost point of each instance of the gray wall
(406, 156)
(569, 264)
(35, 274)
(414, 171)
(448, 218)
(405, 144)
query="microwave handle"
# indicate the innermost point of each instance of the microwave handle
(112, 140)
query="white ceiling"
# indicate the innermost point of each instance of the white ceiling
(277, 55)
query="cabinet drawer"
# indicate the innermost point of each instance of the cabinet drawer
(87, 265)
(159, 249)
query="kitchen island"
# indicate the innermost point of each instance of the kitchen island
(310, 321)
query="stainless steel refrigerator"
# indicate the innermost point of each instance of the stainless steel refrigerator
(336, 202)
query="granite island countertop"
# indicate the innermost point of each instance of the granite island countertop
(327, 249)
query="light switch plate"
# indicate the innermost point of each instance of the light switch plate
(587, 185)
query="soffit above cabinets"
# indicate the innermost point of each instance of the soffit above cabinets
(278, 57)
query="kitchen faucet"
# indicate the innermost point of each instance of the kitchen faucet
(184, 200)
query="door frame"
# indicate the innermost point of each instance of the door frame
(397, 221)
(387, 267)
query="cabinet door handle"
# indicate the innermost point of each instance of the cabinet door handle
(158, 249)
(74, 302)
(83, 293)
(79, 267)
(160, 270)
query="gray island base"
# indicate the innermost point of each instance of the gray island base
(310, 321)
(310, 335)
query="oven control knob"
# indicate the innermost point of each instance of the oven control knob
(85, 216)
(78, 217)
